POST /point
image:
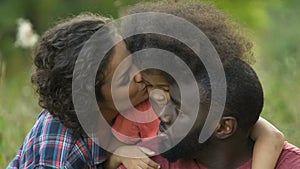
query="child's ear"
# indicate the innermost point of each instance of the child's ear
(226, 128)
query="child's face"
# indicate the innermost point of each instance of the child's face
(156, 81)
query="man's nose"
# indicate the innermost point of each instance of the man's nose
(167, 114)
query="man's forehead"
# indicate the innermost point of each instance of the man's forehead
(187, 92)
(174, 91)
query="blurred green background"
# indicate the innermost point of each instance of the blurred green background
(273, 25)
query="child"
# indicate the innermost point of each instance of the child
(131, 132)
(143, 124)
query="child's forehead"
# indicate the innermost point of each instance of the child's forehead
(155, 73)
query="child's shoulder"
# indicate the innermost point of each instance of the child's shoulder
(143, 106)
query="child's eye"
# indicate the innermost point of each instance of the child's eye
(166, 89)
(148, 84)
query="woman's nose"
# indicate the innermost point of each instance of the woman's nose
(138, 78)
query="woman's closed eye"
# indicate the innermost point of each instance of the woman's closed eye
(125, 79)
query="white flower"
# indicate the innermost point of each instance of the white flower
(26, 37)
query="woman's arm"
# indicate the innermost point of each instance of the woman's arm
(268, 145)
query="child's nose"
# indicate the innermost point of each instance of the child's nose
(158, 100)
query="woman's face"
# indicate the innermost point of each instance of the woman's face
(137, 89)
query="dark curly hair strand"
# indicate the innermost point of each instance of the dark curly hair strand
(55, 59)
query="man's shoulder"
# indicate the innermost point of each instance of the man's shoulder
(289, 157)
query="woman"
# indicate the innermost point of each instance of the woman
(57, 139)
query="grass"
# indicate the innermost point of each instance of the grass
(282, 97)
(18, 112)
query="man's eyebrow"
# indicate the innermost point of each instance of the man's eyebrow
(175, 101)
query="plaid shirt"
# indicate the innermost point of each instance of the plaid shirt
(50, 144)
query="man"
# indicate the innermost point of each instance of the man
(230, 145)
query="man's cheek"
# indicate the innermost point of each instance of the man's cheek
(177, 132)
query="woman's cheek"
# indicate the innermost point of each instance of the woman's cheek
(133, 89)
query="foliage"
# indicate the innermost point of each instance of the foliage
(278, 62)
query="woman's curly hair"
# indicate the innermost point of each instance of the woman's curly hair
(226, 36)
(54, 62)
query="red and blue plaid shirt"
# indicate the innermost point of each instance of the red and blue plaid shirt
(50, 144)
